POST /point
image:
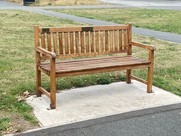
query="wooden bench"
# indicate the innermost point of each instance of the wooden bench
(66, 43)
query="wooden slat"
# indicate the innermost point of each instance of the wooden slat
(97, 41)
(102, 70)
(125, 40)
(111, 40)
(43, 44)
(72, 43)
(43, 41)
(49, 42)
(66, 43)
(77, 42)
(106, 60)
(78, 61)
(72, 68)
(102, 60)
(60, 43)
(74, 65)
(82, 34)
(44, 71)
(116, 40)
(79, 29)
(106, 28)
(65, 29)
(139, 79)
(87, 41)
(55, 43)
(92, 41)
(95, 66)
(44, 91)
(92, 54)
(120, 40)
(101, 33)
(106, 41)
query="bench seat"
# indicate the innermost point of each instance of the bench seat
(94, 65)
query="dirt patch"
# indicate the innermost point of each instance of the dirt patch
(17, 123)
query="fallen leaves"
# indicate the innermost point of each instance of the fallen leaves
(23, 97)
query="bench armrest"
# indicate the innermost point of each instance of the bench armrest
(46, 52)
(144, 46)
(149, 47)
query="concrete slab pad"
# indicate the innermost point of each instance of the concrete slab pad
(92, 102)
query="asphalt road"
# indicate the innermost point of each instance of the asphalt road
(160, 121)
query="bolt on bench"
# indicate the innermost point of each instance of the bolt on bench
(97, 43)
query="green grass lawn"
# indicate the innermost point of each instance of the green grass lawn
(17, 67)
(161, 20)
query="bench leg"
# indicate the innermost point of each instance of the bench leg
(38, 82)
(128, 76)
(150, 77)
(52, 90)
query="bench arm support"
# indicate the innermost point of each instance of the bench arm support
(149, 47)
(46, 52)
(144, 46)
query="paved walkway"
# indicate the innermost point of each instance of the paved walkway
(140, 31)
(99, 101)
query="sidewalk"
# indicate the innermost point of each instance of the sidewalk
(109, 110)
(97, 101)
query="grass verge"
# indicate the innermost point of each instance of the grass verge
(161, 20)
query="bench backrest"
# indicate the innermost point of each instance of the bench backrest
(84, 41)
